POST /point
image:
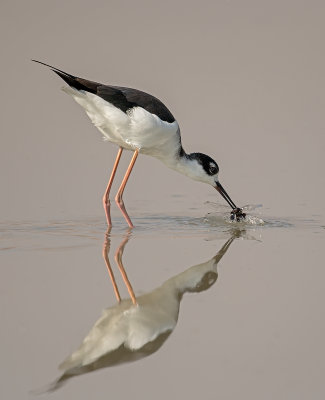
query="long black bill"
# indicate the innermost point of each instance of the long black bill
(224, 194)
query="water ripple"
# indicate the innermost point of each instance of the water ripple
(74, 233)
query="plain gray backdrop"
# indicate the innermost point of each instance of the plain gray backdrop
(244, 79)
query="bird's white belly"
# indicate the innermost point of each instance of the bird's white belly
(136, 129)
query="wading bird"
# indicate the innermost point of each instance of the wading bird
(137, 121)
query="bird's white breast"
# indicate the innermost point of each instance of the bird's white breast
(135, 129)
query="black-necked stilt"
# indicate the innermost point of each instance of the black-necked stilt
(137, 121)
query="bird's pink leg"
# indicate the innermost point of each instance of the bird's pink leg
(106, 247)
(118, 259)
(118, 198)
(106, 200)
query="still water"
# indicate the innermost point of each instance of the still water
(180, 306)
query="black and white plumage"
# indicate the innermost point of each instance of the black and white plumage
(137, 121)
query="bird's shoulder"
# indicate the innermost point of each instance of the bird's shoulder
(126, 98)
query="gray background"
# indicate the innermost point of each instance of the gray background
(244, 79)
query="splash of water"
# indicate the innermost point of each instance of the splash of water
(222, 215)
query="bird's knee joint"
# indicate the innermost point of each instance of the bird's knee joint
(119, 201)
(106, 201)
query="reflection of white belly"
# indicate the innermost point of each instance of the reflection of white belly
(130, 325)
(136, 129)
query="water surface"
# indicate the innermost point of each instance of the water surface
(256, 312)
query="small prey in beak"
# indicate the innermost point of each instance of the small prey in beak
(236, 211)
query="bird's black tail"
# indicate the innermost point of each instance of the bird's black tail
(73, 81)
(64, 75)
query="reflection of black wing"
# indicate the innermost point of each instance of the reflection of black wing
(116, 357)
(121, 97)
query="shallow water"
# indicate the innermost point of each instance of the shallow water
(261, 318)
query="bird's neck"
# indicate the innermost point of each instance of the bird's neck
(190, 280)
(184, 164)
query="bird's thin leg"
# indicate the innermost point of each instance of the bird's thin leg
(118, 260)
(106, 201)
(106, 247)
(118, 198)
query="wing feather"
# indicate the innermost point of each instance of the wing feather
(121, 97)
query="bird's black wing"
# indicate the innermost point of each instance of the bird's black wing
(149, 103)
(121, 97)
(127, 98)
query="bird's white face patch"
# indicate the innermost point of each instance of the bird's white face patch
(193, 169)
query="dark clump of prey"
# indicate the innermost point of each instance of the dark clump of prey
(237, 214)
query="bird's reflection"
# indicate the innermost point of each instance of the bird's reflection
(137, 326)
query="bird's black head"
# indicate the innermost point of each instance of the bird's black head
(210, 167)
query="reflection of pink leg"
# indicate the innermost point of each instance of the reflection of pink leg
(106, 201)
(118, 198)
(106, 247)
(118, 259)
